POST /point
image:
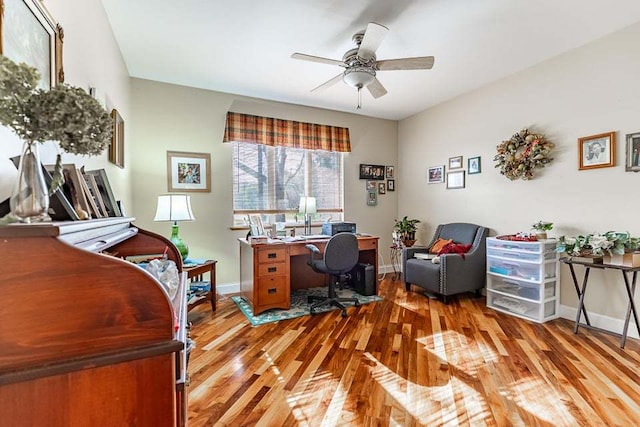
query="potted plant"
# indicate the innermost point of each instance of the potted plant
(540, 229)
(406, 229)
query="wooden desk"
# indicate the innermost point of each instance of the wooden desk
(630, 287)
(269, 271)
(197, 272)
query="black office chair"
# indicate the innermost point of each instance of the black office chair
(340, 256)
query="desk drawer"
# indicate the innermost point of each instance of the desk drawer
(272, 290)
(369, 244)
(272, 255)
(272, 269)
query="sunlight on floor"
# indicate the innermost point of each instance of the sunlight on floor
(536, 397)
(451, 390)
(454, 348)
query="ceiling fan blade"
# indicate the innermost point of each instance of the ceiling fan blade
(328, 83)
(418, 63)
(376, 88)
(321, 60)
(373, 36)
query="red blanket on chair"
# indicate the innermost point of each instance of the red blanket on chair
(455, 248)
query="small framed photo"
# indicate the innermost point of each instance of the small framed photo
(632, 163)
(455, 180)
(391, 185)
(372, 198)
(189, 171)
(455, 162)
(390, 172)
(382, 188)
(372, 172)
(596, 151)
(435, 174)
(372, 185)
(473, 165)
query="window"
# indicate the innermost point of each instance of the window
(270, 180)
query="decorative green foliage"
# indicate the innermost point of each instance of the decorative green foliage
(613, 242)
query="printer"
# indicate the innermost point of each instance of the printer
(331, 228)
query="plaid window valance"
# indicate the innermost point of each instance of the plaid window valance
(269, 131)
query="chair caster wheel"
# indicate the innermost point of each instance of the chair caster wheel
(344, 313)
(357, 304)
(312, 311)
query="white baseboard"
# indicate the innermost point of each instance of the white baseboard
(601, 321)
(228, 288)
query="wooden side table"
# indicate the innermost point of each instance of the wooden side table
(196, 273)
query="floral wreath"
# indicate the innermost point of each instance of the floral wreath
(519, 156)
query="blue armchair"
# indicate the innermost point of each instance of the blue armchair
(454, 274)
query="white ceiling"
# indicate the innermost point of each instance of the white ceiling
(244, 46)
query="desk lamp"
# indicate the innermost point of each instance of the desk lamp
(175, 207)
(307, 207)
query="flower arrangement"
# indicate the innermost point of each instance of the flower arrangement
(518, 156)
(65, 113)
(612, 242)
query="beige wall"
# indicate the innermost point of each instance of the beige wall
(177, 118)
(591, 90)
(91, 58)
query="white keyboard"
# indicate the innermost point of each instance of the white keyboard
(511, 305)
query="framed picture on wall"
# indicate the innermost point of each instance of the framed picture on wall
(455, 180)
(372, 185)
(596, 151)
(372, 172)
(372, 198)
(632, 163)
(390, 172)
(189, 171)
(455, 162)
(391, 185)
(382, 188)
(29, 34)
(435, 174)
(473, 165)
(116, 148)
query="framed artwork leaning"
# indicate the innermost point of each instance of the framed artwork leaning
(188, 171)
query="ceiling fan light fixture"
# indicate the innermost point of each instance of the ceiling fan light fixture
(358, 77)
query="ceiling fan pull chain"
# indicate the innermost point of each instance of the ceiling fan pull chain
(359, 98)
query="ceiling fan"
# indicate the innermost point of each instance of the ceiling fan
(361, 64)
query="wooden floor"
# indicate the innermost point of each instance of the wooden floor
(408, 360)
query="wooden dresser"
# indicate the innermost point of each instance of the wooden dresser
(88, 338)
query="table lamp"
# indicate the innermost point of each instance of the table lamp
(307, 207)
(175, 207)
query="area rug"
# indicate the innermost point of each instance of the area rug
(299, 305)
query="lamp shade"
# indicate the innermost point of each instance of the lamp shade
(307, 205)
(174, 207)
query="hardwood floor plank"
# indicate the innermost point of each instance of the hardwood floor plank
(408, 361)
